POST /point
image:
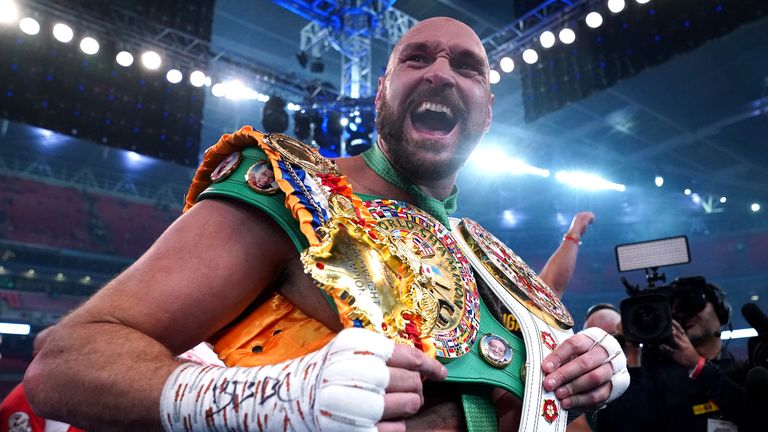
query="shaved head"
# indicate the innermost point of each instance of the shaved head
(434, 100)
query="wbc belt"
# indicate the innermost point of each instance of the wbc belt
(544, 321)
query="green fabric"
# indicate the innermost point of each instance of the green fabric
(235, 187)
(479, 411)
(472, 369)
(378, 162)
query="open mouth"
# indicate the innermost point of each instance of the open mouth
(433, 118)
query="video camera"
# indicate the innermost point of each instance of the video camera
(646, 316)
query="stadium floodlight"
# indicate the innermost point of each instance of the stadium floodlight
(197, 78)
(494, 77)
(587, 181)
(29, 26)
(547, 39)
(89, 45)
(151, 60)
(530, 56)
(63, 33)
(506, 64)
(218, 90)
(567, 36)
(124, 58)
(594, 20)
(9, 12)
(174, 76)
(653, 254)
(616, 6)
(659, 180)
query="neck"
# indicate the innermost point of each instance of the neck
(438, 188)
(709, 348)
(365, 180)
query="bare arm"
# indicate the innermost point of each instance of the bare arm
(559, 268)
(106, 364)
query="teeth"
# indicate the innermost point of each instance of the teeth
(432, 106)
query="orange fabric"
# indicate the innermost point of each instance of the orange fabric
(277, 329)
(228, 144)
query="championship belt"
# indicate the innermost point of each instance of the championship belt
(544, 321)
(376, 280)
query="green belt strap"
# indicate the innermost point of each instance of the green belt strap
(479, 411)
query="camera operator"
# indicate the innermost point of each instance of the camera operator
(690, 384)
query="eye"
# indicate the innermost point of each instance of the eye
(417, 58)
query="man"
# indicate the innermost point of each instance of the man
(209, 270)
(691, 385)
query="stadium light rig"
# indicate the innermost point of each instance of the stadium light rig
(587, 181)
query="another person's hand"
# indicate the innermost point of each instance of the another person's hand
(684, 353)
(587, 371)
(408, 368)
(580, 223)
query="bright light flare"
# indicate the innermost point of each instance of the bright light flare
(659, 180)
(687, 191)
(344, 121)
(197, 78)
(642, 1)
(494, 77)
(496, 160)
(29, 26)
(89, 45)
(567, 36)
(738, 333)
(594, 20)
(14, 329)
(151, 60)
(530, 56)
(755, 207)
(547, 39)
(616, 6)
(9, 12)
(587, 181)
(174, 76)
(506, 64)
(723, 200)
(63, 33)
(124, 58)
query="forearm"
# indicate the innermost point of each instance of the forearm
(559, 268)
(100, 376)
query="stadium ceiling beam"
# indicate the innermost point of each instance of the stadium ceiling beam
(131, 31)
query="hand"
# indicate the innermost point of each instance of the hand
(583, 374)
(580, 222)
(685, 354)
(404, 396)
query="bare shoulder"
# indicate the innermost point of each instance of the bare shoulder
(203, 272)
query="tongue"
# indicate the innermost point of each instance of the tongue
(431, 121)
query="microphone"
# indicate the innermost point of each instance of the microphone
(755, 317)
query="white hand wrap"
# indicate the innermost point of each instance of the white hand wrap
(339, 388)
(616, 357)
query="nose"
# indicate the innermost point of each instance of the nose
(440, 74)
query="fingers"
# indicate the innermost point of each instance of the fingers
(577, 367)
(589, 400)
(400, 405)
(410, 358)
(391, 426)
(571, 347)
(589, 381)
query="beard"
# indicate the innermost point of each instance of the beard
(391, 128)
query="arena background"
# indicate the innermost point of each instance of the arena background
(95, 157)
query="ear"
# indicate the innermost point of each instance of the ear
(489, 119)
(379, 90)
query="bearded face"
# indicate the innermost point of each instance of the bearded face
(431, 111)
(434, 103)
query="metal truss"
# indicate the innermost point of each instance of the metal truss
(349, 27)
(523, 30)
(134, 32)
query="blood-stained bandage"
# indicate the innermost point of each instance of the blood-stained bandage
(339, 388)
